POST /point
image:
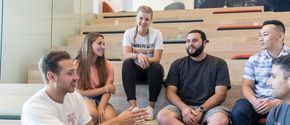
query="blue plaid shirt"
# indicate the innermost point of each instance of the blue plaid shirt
(258, 69)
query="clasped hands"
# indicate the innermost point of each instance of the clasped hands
(143, 61)
(191, 116)
(263, 106)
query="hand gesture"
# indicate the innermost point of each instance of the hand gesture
(197, 115)
(135, 117)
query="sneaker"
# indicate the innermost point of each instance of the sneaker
(141, 120)
(150, 112)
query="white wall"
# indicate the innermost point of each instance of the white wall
(132, 5)
(1, 2)
(68, 19)
(128, 5)
(26, 36)
(154, 4)
(31, 28)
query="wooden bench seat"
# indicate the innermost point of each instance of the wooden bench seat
(14, 95)
(236, 69)
(10, 122)
(175, 13)
(258, 17)
(217, 44)
(236, 11)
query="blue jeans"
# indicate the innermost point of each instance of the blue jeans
(243, 113)
(97, 99)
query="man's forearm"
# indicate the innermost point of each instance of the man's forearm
(213, 101)
(174, 99)
(217, 98)
(248, 93)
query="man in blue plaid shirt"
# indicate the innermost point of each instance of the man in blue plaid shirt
(258, 99)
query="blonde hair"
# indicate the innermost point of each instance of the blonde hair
(145, 9)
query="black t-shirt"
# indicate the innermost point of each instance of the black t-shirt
(196, 80)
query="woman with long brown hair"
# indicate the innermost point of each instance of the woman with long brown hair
(96, 77)
(142, 49)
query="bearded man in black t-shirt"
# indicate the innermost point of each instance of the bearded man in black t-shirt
(196, 86)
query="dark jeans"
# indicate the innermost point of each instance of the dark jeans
(132, 74)
(97, 99)
(243, 113)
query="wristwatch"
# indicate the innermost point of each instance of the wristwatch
(201, 109)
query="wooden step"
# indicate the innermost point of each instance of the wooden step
(10, 122)
(13, 96)
(18, 122)
(236, 69)
(111, 52)
(161, 14)
(256, 17)
(224, 47)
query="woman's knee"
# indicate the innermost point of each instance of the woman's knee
(156, 67)
(110, 112)
(92, 107)
(128, 66)
(128, 62)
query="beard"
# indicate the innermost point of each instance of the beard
(197, 52)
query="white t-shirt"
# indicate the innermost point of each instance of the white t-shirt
(40, 109)
(141, 43)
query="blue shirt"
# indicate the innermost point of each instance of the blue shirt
(279, 115)
(258, 69)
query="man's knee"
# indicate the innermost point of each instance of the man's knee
(242, 106)
(165, 115)
(162, 115)
(218, 118)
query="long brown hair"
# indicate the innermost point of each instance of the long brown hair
(84, 57)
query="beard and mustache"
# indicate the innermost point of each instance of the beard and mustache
(197, 52)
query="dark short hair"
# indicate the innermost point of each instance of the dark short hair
(283, 61)
(280, 26)
(50, 61)
(202, 34)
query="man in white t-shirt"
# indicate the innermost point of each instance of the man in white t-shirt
(58, 103)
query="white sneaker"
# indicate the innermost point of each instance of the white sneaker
(141, 120)
(150, 112)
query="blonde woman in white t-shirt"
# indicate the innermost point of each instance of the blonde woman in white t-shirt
(142, 50)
